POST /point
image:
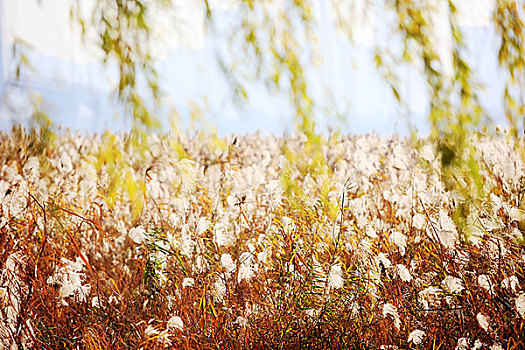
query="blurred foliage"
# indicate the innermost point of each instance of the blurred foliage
(281, 40)
(274, 41)
(455, 108)
(123, 34)
(509, 22)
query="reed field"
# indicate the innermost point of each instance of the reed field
(247, 242)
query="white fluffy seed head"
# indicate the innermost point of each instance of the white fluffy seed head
(452, 284)
(137, 234)
(227, 263)
(403, 273)
(390, 310)
(335, 279)
(416, 337)
(483, 321)
(175, 322)
(520, 305)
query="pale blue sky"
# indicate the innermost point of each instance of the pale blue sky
(76, 94)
